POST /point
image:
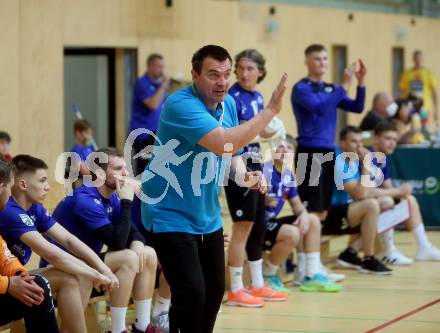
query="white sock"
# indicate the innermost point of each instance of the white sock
(161, 304)
(256, 270)
(236, 278)
(118, 319)
(269, 268)
(312, 263)
(301, 261)
(143, 311)
(421, 238)
(387, 241)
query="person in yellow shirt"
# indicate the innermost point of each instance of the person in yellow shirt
(420, 82)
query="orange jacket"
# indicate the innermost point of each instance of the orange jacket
(9, 266)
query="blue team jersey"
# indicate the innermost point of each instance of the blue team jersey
(249, 104)
(15, 222)
(86, 210)
(281, 188)
(142, 116)
(177, 203)
(345, 171)
(315, 106)
(83, 151)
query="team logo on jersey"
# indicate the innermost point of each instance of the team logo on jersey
(110, 210)
(97, 201)
(26, 219)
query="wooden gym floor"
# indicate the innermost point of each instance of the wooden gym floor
(406, 302)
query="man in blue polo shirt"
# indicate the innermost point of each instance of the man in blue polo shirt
(148, 98)
(180, 204)
(315, 105)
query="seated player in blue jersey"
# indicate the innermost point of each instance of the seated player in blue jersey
(302, 230)
(22, 295)
(384, 141)
(99, 214)
(353, 210)
(22, 223)
(162, 300)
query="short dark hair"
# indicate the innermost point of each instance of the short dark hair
(314, 48)
(153, 57)
(4, 136)
(347, 130)
(81, 125)
(256, 57)
(109, 151)
(384, 126)
(417, 52)
(27, 163)
(208, 51)
(6, 170)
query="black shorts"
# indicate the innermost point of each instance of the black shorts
(245, 204)
(273, 228)
(316, 198)
(336, 222)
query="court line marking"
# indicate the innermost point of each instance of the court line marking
(288, 315)
(269, 330)
(403, 316)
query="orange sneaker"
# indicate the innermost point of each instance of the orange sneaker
(268, 294)
(242, 298)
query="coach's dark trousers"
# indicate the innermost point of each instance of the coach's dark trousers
(194, 266)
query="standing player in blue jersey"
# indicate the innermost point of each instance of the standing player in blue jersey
(101, 215)
(23, 223)
(147, 103)
(247, 206)
(180, 204)
(301, 230)
(315, 105)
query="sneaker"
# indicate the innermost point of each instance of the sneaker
(331, 276)
(275, 283)
(373, 266)
(150, 329)
(266, 293)
(319, 283)
(395, 258)
(349, 259)
(431, 253)
(161, 322)
(244, 299)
